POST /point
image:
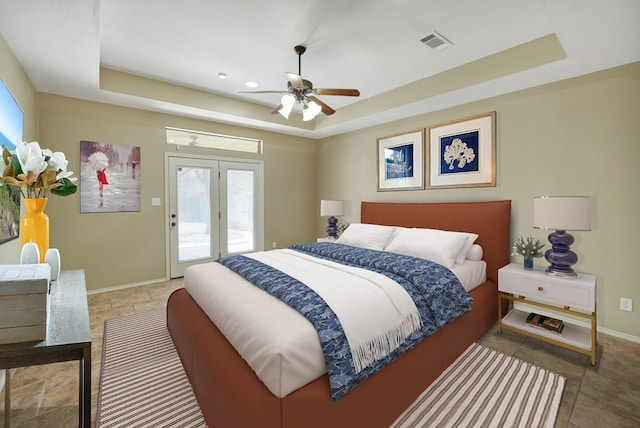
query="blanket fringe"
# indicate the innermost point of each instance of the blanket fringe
(381, 346)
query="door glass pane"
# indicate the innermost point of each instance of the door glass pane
(240, 211)
(194, 219)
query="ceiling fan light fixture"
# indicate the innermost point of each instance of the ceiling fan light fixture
(285, 112)
(311, 110)
(300, 90)
(287, 101)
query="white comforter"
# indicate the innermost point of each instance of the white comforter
(278, 343)
(375, 312)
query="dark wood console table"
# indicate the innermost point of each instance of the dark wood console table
(68, 338)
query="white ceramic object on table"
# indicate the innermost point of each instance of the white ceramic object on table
(52, 258)
(30, 254)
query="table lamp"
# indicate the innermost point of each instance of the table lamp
(332, 209)
(561, 213)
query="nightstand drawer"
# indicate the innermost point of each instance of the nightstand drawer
(576, 293)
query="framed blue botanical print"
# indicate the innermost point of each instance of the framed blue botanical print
(462, 153)
(400, 161)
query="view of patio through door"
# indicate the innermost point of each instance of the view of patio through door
(214, 209)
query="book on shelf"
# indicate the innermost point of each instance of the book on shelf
(545, 322)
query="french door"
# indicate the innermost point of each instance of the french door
(214, 209)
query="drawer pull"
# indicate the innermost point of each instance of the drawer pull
(540, 288)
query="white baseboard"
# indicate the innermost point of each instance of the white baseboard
(618, 334)
(125, 286)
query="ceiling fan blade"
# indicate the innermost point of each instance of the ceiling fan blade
(295, 80)
(325, 108)
(344, 92)
(277, 109)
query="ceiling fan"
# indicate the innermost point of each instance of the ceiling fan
(302, 91)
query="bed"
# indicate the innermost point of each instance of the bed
(230, 393)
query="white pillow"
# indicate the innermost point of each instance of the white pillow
(462, 255)
(371, 236)
(475, 253)
(439, 246)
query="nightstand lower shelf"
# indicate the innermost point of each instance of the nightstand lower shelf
(562, 297)
(573, 335)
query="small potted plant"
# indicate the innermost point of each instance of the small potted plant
(529, 248)
(342, 226)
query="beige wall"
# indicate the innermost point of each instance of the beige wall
(23, 91)
(577, 137)
(585, 127)
(118, 249)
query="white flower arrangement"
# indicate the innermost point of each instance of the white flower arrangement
(35, 171)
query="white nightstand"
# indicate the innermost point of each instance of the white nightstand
(326, 240)
(576, 296)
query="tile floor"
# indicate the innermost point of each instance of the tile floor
(47, 395)
(604, 395)
(607, 395)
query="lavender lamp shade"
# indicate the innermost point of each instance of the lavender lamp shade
(331, 209)
(561, 213)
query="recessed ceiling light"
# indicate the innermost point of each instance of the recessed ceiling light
(222, 76)
(252, 84)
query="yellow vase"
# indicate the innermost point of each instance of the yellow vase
(34, 225)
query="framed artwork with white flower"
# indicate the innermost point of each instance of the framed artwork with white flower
(462, 153)
(400, 161)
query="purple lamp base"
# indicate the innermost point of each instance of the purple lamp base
(332, 229)
(560, 256)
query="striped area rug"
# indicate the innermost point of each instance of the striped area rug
(142, 383)
(486, 388)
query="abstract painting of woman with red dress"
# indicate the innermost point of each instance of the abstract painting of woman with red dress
(123, 191)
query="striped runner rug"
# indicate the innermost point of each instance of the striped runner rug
(142, 383)
(486, 388)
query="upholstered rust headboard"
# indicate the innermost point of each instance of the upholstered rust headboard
(490, 220)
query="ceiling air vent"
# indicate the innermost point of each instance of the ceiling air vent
(436, 41)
